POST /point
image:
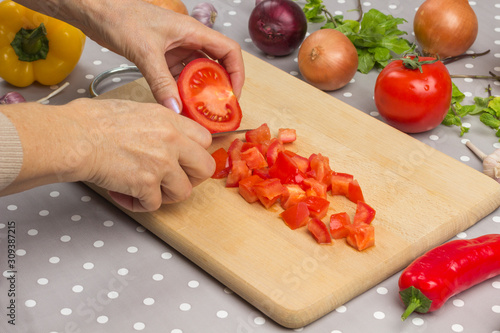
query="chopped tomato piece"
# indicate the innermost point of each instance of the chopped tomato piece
(354, 192)
(254, 158)
(301, 161)
(275, 146)
(320, 168)
(286, 170)
(259, 134)
(315, 187)
(239, 170)
(339, 223)
(234, 151)
(361, 236)
(318, 207)
(246, 189)
(262, 172)
(221, 163)
(364, 213)
(287, 135)
(269, 191)
(292, 195)
(296, 216)
(319, 231)
(340, 183)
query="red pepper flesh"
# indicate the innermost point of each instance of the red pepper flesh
(431, 279)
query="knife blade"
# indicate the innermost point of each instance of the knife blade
(219, 134)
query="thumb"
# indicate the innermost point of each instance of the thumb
(162, 83)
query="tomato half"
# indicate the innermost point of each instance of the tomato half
(413, 101)
(207, 96)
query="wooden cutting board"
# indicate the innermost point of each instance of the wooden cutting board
(422, 198)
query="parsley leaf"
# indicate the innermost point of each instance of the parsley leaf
(376, 38)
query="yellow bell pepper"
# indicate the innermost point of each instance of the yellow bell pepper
(36, 47)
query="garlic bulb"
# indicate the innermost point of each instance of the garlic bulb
(205, 13)
(12, 97)
(491, 165)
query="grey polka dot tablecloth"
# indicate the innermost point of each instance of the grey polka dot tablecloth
(78, 264)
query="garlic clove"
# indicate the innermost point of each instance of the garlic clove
(12, 97)
(491, 165)
(205, 13)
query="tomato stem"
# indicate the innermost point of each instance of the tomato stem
(415, 63)
(465, 55)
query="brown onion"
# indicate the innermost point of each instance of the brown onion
(175, 5)
(445, 28)
(327, 59)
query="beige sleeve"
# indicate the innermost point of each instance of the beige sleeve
(11, 152)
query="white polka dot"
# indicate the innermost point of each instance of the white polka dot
(347, 94)
(467, 94)
(54, 260)
(228, 291)
(457, 328)
(458, 303)
(21, 252)
(374, 113)
(379, 315)
(259, 320)
(32, 232)
(89, 76)
(140, 229)
(157, 277)
(65, 238)
(43, 213)
(232, 12)
(113, 294)
(54, 194)
(469, 66)
(102, 319)
(193, 284)
(86, 198)
(88, 265)
(166, 255)
(149, 301)
(392, 6)
(462, 235)
(222, 314)
(417, 321)
(66, 311)
(81, 91)
(434, 137)
(116, 79)
(97, 62)
(76, 218)
(468, 125)
(104, 50)
(11, 207)
(122, 271)
(132, 249)
(30, 303)
(382, 291)
(294, 73)
(176, 330)
(464, 158)
(468, 80)
(227, 24)
(108, 223)
(77, 288)
(139, 326)
(42, 281)
(496, 219)
(496, 284)
(2, 225)
(98, 243)
(341, 309)
(248, 40)
(496, 308)
(185, 307)
(367, 4)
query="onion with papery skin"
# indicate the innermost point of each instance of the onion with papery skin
(327, 59)
(445, 28)
(277, 27)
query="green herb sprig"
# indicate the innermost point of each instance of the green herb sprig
(487, 108)
(376, 36)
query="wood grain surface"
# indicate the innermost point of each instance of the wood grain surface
(284, 273)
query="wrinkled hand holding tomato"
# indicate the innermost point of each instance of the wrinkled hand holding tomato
(207, 96)
(36, 47)
(413, 99)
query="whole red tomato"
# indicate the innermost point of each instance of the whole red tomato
(413, 100)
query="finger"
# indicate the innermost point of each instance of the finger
(198, 165)
(162, 83)
(175, 186)
(134, 204)
(195, 132)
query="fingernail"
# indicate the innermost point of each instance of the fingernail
(172, 104)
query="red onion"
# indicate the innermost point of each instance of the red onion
(277, 27)
(205, 13)
(12, 98)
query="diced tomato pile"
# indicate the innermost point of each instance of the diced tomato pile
(265, 171)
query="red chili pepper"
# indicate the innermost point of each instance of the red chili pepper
(429, 281)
